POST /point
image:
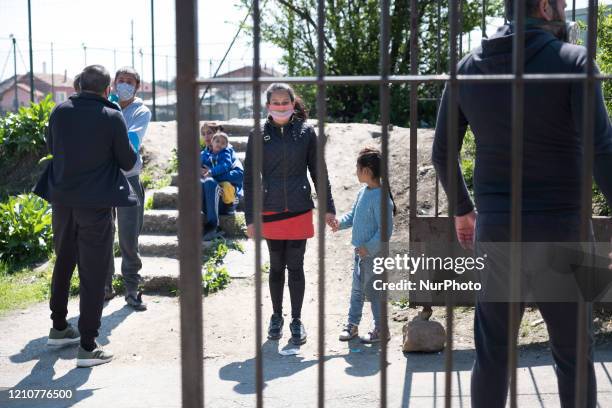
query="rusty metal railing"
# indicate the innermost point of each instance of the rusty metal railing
(188, 84)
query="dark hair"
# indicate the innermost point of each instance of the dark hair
(531, 6)
(370, 158)
(129, 71)
(94, 78)
(77, 83)
(298, 105)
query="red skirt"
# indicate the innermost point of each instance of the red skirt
(293, 228)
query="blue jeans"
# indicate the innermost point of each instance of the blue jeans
(212, 205)
(363, 278)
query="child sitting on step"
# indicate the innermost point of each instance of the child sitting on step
(222, 177)
(366, 221)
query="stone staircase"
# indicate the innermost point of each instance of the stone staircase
(158, 243)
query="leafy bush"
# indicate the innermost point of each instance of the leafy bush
(214, 275)
(25, 229)
(23, 132)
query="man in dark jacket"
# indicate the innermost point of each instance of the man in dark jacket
(552, 168)
(88, 139)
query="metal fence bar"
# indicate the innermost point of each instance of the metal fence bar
(518, 94)
(189, 206)
(453, 90)
(439, 87)
(414, 67)
(321, 194)
(399, 79)
(583, 316)
(385, 101)
(257, 200)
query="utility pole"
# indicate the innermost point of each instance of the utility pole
(154, 116)
(84, 52)
(141, 72)
(167, 84)
(132, 38)
(31, 57)
(16, 100)
(115, 59)
(52, 76)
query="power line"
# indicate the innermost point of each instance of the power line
(8, 57)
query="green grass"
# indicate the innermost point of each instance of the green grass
(24, 287)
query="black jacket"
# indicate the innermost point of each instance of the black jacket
(553, 117)
(87, 137)
(288, 152)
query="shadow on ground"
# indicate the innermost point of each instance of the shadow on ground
(42, 374)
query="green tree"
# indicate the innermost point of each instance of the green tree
(352, 35)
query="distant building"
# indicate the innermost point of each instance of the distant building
(221, 102)
(60, 86)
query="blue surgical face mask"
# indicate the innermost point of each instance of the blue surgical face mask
(125, 91)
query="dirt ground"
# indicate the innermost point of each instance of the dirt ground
(343, 145)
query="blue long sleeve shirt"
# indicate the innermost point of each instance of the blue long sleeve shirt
(366, 220)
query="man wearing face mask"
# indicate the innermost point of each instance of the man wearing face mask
(88, 139)
(552, 183)
(130, 220)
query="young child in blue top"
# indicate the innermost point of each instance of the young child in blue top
(222, 178)
(366, 221)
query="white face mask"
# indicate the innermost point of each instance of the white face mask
(125, 91)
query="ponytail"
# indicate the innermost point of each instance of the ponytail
(299, 109)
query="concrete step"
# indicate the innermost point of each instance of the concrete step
(166, 222)
(162, 273)
(167, 198)
(161, 246)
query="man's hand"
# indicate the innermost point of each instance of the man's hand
(464, 226)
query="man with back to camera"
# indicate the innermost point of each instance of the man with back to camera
(88, 139)
(552, 168)
(130, 219)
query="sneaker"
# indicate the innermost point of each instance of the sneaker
(275, 329)
(298, 333)
(373, 337)
(93, 358)
(59, 338)
(350, 331)
(135, 301)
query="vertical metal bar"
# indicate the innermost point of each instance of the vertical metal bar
(31, 56)
(518, 89)
(257, 200)
(189, 204)
(484, 19)
(460, 28)
(384, 120)
(438, 87)
(321, 193)
(573, 10)
(453, 90)
(154, 115)
(583, 323)
(414, 67)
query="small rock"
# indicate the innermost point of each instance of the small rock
(537, 322)
(423, 335)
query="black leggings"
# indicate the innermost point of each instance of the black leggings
(287, 254)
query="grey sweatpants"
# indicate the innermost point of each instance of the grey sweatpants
(129, 223)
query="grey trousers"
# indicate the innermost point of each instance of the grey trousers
(129, 223)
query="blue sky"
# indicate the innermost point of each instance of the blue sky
(103, 27)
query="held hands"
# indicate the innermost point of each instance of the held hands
(205, 172)
(362, 252)
(464, 226)
(332, 221)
